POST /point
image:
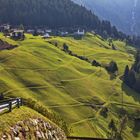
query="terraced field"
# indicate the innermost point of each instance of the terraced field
(67, 85)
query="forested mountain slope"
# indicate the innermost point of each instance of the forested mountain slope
(124, 14)
(52, 13)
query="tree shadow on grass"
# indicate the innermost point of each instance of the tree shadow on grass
(130, 92)
(136, 96)
(136, 128)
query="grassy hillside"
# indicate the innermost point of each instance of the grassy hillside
(42, 72)
(10, 119)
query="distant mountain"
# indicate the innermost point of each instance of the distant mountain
(124, 14)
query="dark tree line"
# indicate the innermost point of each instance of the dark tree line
(132, 75)
(112, 67)
(65, 48)
(51, 13)
(57, 14)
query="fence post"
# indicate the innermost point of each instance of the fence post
(10, 106)
(18, 103)
(21, 102)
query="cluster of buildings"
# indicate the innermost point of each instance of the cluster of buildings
(47, 33)
(18, 33)
(13, 33)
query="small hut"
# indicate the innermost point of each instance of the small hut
(17, 34)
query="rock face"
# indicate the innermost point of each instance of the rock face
(34, 129)
(5, 46)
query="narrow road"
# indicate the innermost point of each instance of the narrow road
(30, 87)
(76, 105)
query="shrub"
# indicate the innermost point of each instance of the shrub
(112, 67)
(54, 117)
(104, 112)
(95, 63)
(65, 47)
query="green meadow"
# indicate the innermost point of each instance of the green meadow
(40, 71)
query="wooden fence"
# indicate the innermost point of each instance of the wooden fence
(8, 105)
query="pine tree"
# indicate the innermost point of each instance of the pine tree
(137, 85)
(136, 65)
(113, 128)
(110, 41)
(21, 27)
(112, 67)
(137, 58)
(123, 124)
(65, 47)
(125, 76)
(132, 78)
(35, 33)
(95, 63)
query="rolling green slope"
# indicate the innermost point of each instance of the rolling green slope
(42, 72)
(10, 119)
